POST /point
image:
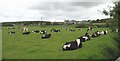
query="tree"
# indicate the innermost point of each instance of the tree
(115, 21)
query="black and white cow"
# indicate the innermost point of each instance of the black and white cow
(88, 36)
(46, 36)
(84, 38)
(55, 30)
(106, 31)
(96, 34)
(35, 31)
(43, 32)
(26, 33)
(90, 28)
(72, 45)
(25, 29)
(11, 32)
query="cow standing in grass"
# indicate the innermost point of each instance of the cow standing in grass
(72, 45)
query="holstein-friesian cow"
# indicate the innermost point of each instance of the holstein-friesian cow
(90, 28)
(43, 32)
(26, 33)
(96, 34)
(72, 45)
(84, 38)
(104, 32)
(11, 32)
(46, 36)
(25, 29)
(55, 30)
(35, 31)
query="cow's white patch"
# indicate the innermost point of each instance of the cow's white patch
(65, 46)
(102, 32)
(78, 42)
(85, 37)
(106, 31)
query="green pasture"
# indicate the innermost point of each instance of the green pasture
(31, 46)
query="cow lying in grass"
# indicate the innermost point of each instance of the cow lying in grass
(26, 33)
(11, 32)
(55, 30)
(43, 32)
(35, 31)
(46, 36)
(84, 38)
(72, 45)
(98, 33)
(90, 28)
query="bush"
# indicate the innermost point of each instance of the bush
(82, 26)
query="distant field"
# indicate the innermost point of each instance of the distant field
(31, 46)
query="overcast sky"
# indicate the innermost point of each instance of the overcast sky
(52, 10)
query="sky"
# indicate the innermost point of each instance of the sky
(52, 10)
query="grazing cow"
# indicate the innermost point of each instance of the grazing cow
(43, 32)
(90, 28)
(35, 31)
(11, 32)
(72, 45)
(46, 36)
(26, 33)
(55, 30)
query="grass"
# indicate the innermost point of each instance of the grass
(31, 46)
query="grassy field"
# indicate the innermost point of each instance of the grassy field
(31, 46)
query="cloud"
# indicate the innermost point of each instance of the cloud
(20, 10)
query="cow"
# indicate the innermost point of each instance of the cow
(106, 31)
(72, 45)
(87, 35)
(35, 31)
(11, 32)
(43, 32)
(26, 33)
(44, 36)
(102, 32)
(84, 38)
(90, 28)
(96, 34)
(25, 29)
(55, 30)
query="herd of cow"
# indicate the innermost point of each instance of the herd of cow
(72, 45)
